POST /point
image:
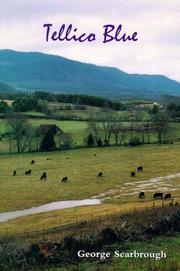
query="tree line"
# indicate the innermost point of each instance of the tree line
(37, 101)
(111, 130)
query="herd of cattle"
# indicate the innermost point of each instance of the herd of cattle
(142, 195)
(44, 174)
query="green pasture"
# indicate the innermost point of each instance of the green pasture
(82, 167)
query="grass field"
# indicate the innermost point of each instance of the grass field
(120, 191)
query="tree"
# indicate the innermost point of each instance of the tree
(161, 126)
(90, 140)
(155, 109)
(4, 108)
(172, 109)
(117, 131)
(94, 127)
(19, 130)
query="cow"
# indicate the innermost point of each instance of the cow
(43, 176)
(100, 174)
(48, 158)
(142, 195)
(14, 173)
(32, 162)
(28, 172)
(140, 169)
(64, 180)
(133, 174)
(94, 154)
(167, 196)
(158, 196)
(67, 158)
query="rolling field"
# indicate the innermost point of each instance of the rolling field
(116, 188)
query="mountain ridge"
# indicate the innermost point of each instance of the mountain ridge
(40, 71)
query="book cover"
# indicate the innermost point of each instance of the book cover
(89, 135)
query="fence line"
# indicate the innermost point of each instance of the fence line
(66, 222)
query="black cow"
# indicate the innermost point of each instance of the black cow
(158, 196)
(142, 195)
(140, 169)
(100, 174)
(64, 180)
(48, 158)
(14, 173)
(167, 196)
(94, 154)
(32, 162)
(43, 176)
(133, 174)
(28, 172)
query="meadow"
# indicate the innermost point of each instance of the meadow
(116, 188)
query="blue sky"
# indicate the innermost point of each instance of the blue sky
(156, 21)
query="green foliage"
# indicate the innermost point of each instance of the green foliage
(155, 109)
(28, 103)
(4, 108)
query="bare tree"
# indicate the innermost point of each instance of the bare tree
(161, 126)
(19, 130)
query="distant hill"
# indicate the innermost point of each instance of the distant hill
(6, 88)
(38, 71)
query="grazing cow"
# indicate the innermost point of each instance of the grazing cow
(158, 196)
(140, 169)
(43, 176)
(142, 195)
(167, 196)
(32, 162)
(14, 173)
(28, 172)
(133, 174)
(100, 174)
(64, 180)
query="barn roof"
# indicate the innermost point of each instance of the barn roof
(49, 128)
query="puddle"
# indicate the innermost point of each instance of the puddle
(124, 190)
(131, 188)
(47, 207)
